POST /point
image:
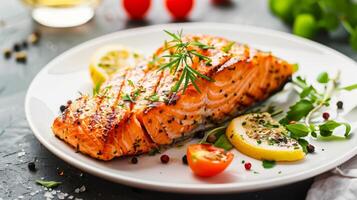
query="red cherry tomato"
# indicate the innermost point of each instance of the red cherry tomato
(136, 9)
(179, 9)
(206, 160)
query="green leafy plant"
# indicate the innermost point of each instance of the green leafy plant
(298, 118)
(308, 17)
(182, 57)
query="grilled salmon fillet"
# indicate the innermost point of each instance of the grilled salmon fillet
(136, 110)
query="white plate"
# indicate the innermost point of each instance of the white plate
(66, 75)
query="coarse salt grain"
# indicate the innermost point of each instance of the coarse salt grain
(20, 154)
(70, 197)
(48, 195)
(82, 189)
(61, 195)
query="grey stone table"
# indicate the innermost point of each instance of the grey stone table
(18, 146)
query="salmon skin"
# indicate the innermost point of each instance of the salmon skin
(109, 124)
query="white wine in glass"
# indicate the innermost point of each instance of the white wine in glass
(62, 13)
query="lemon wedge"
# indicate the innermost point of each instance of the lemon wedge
(261, 137)
(108, 59)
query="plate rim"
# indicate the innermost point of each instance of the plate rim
(187, 188)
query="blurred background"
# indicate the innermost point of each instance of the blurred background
(33, 32)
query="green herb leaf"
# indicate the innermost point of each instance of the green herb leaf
(299, 110)
(127, 97)
(267, 164)
(183, 58)
(350, 87)
(201, 45)
(223, 143)
(298, 130)
(228, 47)
(306, 91)
(295, 67)
(48, 184)
(131, 83)
(323, 77)
(327, 128)
(154, 151)
(96, 89)
(303, 143)
(155, 97)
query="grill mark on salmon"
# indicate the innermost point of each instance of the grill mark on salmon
(109, 126)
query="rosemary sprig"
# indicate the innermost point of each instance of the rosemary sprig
(182, 57)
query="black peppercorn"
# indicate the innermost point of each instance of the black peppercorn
(24, 44)
(165, 159)
(31, 166)
(184, 160)
(134, 160)
(62, 108)
(17, 47)
(310, 148)
(200, 134)
(339, 104)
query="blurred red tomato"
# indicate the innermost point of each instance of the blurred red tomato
(136, 9)
(179, 9)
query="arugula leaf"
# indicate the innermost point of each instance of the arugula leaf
(223, 143)
(323, 77)
(298, 130)
(267, 164)
(350, 87)
(303, 143)
(299, 110)
(48, 184)
(327, 128)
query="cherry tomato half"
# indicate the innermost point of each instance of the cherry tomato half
(206, 160)
(179, 9)
(136, 9)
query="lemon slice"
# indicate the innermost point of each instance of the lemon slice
(261, 137)
(108, 59)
